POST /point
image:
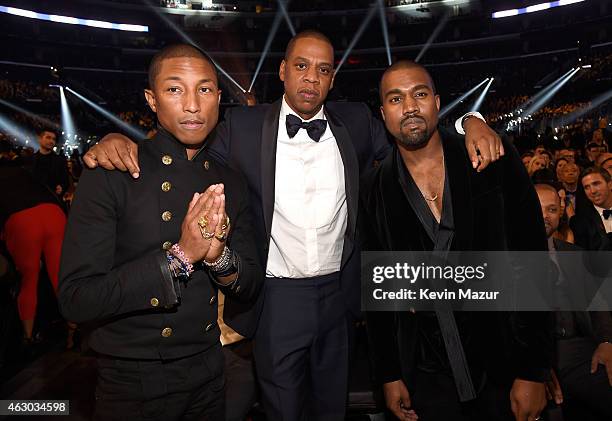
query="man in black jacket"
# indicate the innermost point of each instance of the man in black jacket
(143, 259)
(424, 196)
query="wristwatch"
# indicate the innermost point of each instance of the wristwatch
(459, 122)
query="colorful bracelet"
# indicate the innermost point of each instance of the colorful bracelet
(180, 264)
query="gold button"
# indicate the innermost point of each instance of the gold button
(167, 159)
(213, 299)
(206, 165)
(166, 216)
(166, 186)
(167, 332)
(209, 326)
(154, 302)
(166, 245)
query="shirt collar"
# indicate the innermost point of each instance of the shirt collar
(167, 143)
(286, 109)
(599, 210)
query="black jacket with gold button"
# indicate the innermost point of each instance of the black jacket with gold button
(114, 271)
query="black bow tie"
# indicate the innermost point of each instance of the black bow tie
(315, 128)
(607, 213)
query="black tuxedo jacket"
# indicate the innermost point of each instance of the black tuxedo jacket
(114, 271)
(247, 140)
(496, 209)
(589, 230)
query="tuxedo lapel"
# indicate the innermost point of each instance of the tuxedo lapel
(458, 171)
(596, 219)
(351, 179)
(269, 135)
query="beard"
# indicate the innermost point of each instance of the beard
(414, 138)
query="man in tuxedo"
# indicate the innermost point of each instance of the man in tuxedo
(423, 196)
(592, 224)
(302, 157)
(582, 339)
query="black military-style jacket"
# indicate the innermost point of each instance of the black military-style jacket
(114, 272)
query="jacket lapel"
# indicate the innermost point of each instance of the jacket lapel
(458, 171)
(269, 135)
(351, 179)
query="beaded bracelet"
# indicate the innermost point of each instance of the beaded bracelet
(223, 262)
(186, 268)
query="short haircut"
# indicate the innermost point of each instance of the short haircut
(529, 154)
(549, 187)
(404, 65)
(596, 170)
(308, 33)
(176, 51)
(42, 129)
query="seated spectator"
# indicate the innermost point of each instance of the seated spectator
(536, 163)
(583, 339)
(593, 150)
(569, 179)
(559, 164)
(592, 224)
(605, 161)
(526, 158)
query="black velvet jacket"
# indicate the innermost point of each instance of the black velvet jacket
(114, 271)
(496, 209)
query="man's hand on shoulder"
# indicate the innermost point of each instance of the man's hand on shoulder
(482, 143)
(115, 151)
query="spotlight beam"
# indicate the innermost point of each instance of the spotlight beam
(543, 92)
(283, 9)
(275, 24)
(593, 104)
(22, 134)
(30, 114)
(189, 40)
(385, 31)
(128, 128)
(456, 102)
(364, 24)
(434, 35)
(67, 122)
(544, 100)
(482, 96)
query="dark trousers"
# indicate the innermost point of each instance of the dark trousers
(579, 386)
(301, 349)
(435, 398)
(189, 388)
(240, 386)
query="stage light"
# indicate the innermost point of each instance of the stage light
(434, 35)
(271, 34)
(482, 96)
(189, 40)
(21, 134)
(134, 132)
(535, 8)
(456, 102)
(385, 31)
(69, 129)
(593, 104)
(72, 20)
(33, 116)
(283, 8)
(521, 108)
(364, 24)
(586, 66)
(548, 96)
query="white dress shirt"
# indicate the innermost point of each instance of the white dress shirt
(310, 213)
(606, 222)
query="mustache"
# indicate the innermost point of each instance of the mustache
(412, 119)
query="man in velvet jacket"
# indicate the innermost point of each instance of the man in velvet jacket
(424, 191)
(302, 158)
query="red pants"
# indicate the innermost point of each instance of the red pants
(29, 234)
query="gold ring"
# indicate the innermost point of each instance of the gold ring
(225, 225)
(221, 236)
(208, 235)
(203, 222)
